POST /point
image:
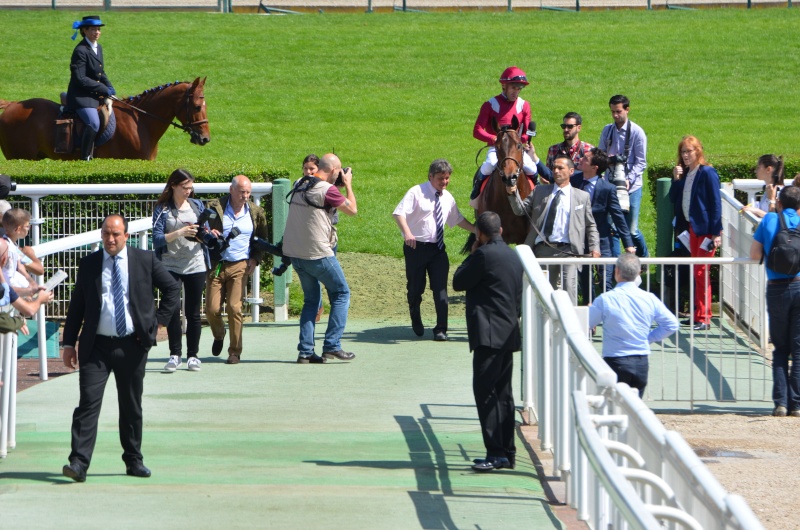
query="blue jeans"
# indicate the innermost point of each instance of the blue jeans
(328, 272)
(783, 308)
(632, 217)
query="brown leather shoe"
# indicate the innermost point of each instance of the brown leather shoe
(232, 359)
(320, 312)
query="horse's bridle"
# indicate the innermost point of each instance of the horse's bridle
(189, 128)
(510, 180)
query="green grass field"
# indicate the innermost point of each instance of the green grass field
(391, 92)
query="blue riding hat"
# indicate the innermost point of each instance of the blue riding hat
(90, 21)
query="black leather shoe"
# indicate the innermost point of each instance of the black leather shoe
(511, 461)
(701, 326)
(311, 359)
(138, 470)
(416, 322)
(216, 348)
(687, 322)
(490, 464)
(74, 471)
(440, 336)
(341, 355)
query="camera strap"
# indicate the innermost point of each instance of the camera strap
(302, 186)
(175, 212)
(627, 150)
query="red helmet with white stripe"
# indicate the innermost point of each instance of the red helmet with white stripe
(512, 74)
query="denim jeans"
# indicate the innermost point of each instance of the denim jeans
(783, 308)
(632, 217)
(328, 272)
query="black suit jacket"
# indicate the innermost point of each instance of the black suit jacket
(88, 79)
(144, 272)
(492, 278)
(604, 204)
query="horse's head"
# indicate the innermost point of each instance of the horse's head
(509, 151)
(193, 114)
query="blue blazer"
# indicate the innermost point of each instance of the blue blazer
(605, 208)
(705, 209)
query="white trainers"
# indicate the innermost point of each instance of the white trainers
(193, 364)
(173, 363)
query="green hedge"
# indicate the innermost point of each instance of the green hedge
(135, 171)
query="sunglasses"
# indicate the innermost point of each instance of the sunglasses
(568, 126)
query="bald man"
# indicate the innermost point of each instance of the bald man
(309, 240)
(227, 278)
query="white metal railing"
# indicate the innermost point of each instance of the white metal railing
(558, 360)
(139, 228)
(8, 392)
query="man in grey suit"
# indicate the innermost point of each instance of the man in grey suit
(561, 221)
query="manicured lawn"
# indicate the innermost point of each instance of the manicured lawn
(391, 92)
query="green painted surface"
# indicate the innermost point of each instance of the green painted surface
(382, 442)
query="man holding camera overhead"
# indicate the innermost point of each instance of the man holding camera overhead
(626, 146)
(237, 222)
(308, 240)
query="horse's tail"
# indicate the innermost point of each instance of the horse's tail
(467, 248)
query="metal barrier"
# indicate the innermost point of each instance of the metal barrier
(8, 392)
(562, 365)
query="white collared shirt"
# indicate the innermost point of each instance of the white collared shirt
(417, 206)
(93, 46)
(560, 232)
(106, 325)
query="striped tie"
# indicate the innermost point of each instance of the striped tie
(119, 298)
(437, 213)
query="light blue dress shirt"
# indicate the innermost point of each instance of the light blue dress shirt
(637, 157)
(106, 325)
(239, 247)
(627, 314)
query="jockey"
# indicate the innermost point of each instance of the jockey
(502, 108)
(88, 82)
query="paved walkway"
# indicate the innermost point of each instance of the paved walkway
(382, 442)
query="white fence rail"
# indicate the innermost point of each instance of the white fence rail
(8, 392)
(561, 368)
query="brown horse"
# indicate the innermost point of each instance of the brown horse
(509, 169)
(27, 127)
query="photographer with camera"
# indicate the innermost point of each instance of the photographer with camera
(237, 221)
(175, 229)
(421, 216)
(626, 146)
(309, 240)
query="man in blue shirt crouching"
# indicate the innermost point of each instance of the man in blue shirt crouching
(627, 314)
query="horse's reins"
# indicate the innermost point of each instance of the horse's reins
(184, 128)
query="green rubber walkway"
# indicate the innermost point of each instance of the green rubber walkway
(382, 442)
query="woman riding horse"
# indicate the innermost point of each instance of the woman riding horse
(88, 81)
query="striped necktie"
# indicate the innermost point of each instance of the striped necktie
(119, 298)
(437, 213)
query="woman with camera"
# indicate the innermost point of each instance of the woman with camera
(187, 260)
(695, 196)
(769, 170)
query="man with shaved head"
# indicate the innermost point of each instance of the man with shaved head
(227, 279)
(309, 240)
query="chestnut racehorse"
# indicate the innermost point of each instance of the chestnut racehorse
(27, 127)
(509, 169)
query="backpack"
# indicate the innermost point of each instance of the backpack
(784, 255)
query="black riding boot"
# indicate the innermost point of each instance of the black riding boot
(476, 184)
(87, 143)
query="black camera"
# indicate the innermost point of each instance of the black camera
(339, 180)
(275, 250)
(205, 236)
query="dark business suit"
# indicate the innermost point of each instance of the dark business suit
(88, 78)
(492, 278)
(582, 232)
(126, 356)
(605, 209)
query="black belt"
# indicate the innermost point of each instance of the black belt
(783, 281)
(225, 262)
(425, 243)
(557, 245)
(109, 338)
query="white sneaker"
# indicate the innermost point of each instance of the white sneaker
(173, 363)
(193, 364)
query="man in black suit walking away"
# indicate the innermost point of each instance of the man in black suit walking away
(492, 277)
(112, 307)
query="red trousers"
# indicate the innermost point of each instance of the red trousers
(702, 278)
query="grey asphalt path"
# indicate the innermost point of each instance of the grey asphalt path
(384, 441)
